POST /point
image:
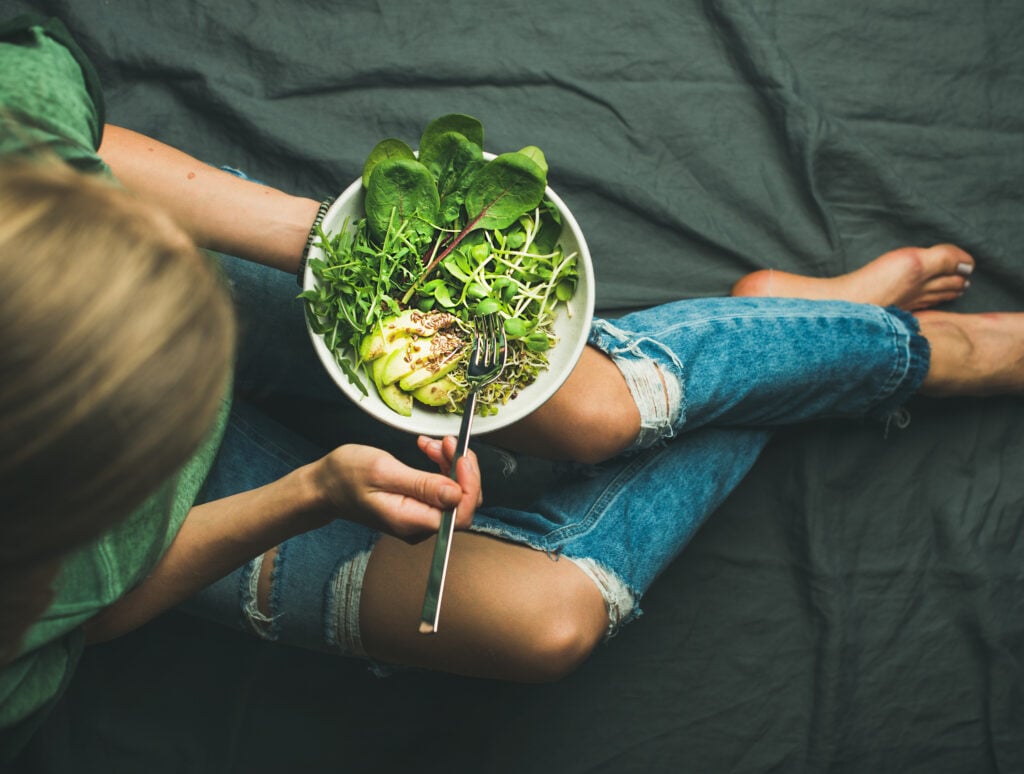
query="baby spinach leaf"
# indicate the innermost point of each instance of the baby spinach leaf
(404, 189)
(458, 266)
(536, 155)
(502, 190)
(453, 161)
(390, 148)
(468, 126)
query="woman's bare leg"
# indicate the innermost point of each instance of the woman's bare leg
(509, 612)
(974, 354)
(910, 278)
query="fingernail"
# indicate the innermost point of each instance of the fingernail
(964, 268)
(451, 493)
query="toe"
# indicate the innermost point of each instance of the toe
(948, 259)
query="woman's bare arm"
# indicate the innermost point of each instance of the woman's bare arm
(219, 210)
(354, 482)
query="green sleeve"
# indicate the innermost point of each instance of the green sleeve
(50, 100)
(31, 686)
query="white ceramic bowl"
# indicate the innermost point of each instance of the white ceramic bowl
(571, 329)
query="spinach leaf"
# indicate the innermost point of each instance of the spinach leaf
(468, 126)
(453, 160)
(401, 189)
(502, 190)
(390, 148)
(536, 155)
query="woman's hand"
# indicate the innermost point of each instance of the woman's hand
(371, 487)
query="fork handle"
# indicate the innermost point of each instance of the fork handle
(442, 548)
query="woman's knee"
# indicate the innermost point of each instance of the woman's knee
(565, 630)
(591, 418)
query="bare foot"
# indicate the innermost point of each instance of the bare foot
(910, 278)
(974, 354)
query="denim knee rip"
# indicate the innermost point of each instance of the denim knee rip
(343, 596)
(341, 619)
(619, 602)
(653, 373)
(256, 621)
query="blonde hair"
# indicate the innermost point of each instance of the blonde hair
(116, 340)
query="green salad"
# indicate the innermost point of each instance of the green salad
(447, 235)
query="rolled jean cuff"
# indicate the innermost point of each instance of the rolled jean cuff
(919, 355)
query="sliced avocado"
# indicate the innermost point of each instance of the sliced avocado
(435, 393)
(376, 371)
(430, 372)
(397, 346)
(375, 344)
(406, 359)
(411, 322)
(372, 346)
(395, 398)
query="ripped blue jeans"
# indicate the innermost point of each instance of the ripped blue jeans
(711, 377)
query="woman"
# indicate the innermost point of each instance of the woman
(294, 541)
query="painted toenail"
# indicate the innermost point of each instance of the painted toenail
(964, 268)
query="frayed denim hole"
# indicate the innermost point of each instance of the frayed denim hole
(341, 619)
(262, 625)
(276, 573)
(234, 171)
(654, 376)
(619, 601)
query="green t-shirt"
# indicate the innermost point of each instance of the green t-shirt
(49, 99)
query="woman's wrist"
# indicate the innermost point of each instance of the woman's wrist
(312, 236)
(314, 508)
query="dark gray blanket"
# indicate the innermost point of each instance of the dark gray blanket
(858, 604)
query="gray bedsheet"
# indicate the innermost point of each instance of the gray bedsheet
(858, 604)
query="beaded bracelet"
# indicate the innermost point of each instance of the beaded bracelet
(321, 211)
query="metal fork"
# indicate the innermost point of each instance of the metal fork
(486, 362)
